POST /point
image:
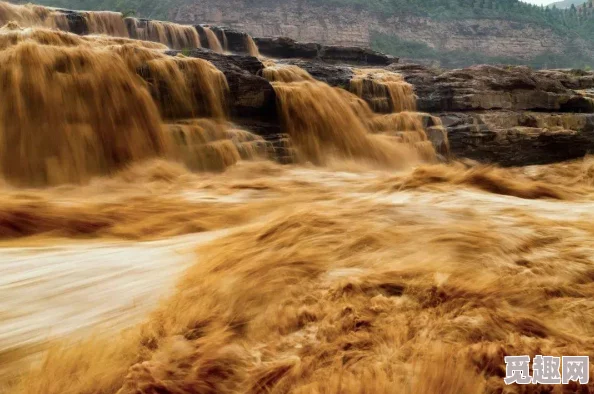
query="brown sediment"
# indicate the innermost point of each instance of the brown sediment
(285, 73)
(339, 293)
(186, 87)
(401, 121)
(102, 40)
(489, 179)
(75, 100)
(12, 34)
(225, 41)
(323, 125)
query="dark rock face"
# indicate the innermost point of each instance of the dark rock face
(236, 39)
(131, 26)
(354, 55)
(77, 23)
(287, 48)
(250, 96)
(517, 139)
(223, 61)
(333, 75)
(493, 88)
(202, 35)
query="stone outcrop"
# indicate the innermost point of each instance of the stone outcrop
(251, 96)
(492, 88)
(236, 39)
(490, 112)
(77, 23)
(334, 75)
(515, 139)
(283, 48)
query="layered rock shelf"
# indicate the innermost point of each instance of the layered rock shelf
(286, 48)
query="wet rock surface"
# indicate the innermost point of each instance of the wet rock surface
(236, 39)
(77, 23)
(283, 47)
(250, 95)
(492, 88)
(333, 75)
(519, 138)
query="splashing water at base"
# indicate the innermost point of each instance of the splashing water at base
(395, 273)
(370, 272)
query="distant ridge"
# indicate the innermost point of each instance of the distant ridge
(566, 3)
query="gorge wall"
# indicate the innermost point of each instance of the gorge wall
(348, 25)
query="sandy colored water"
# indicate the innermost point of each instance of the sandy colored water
(395, 272)
(66, 288)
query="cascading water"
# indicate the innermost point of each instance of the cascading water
(105, 22)
(213, 40)
(325, 122)
(387, 91)
(369, 272)
(173, 35)
(251, 46)
(72, 113)
(78, 106)
(31, 15)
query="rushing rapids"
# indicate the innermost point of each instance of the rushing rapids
(373, 263)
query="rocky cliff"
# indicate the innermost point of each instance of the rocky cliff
(308, 21)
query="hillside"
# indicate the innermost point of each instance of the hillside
(566, 3)
(448, 32)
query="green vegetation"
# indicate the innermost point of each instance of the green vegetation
(572, 58)
(567, 3)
